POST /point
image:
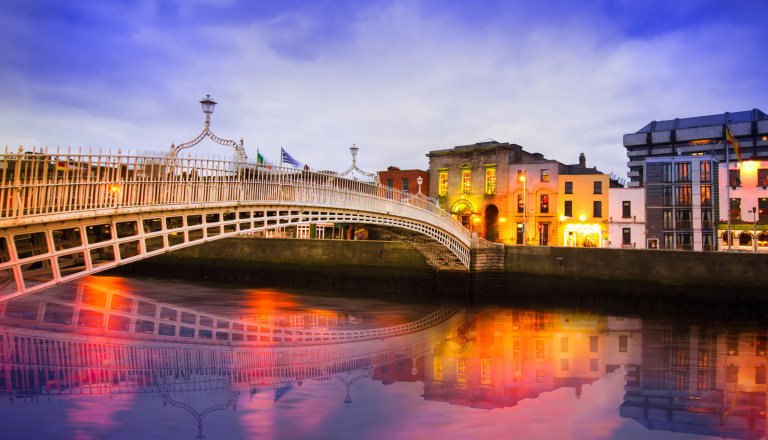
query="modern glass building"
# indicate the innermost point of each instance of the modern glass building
(677, 162)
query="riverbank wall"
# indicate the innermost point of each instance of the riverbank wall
(536, 274)
(385, 269)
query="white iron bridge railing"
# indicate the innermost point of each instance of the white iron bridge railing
(61, 185)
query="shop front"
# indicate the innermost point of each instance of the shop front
(584, 235)
(745, 236)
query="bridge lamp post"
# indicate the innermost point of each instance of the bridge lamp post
(208, 105)
(419, 181)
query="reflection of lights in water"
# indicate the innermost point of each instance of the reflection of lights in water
(267, 302)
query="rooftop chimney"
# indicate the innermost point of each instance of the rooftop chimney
(582, 160)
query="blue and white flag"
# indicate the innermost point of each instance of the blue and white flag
(286, 158)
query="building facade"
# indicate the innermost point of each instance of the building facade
(583, 207)
(533, 189)
(405, 180)
(626, 218)
(472, 182)
(746, 204)
(676, 162)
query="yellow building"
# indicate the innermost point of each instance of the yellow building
(583, 208)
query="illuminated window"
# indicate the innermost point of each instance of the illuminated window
(490, 181)
(520, 204)
(443, 184)
(466, 182)
(667, 216)
(706, 171)
(683, 195)
(485, 371)
(762, 209)
(683, 171)
(461, 370)
(438, 365)
(544, 206)
(545, 175)
(706, 195)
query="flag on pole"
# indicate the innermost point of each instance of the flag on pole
(259, 157)
(731, 140)
(286, 158)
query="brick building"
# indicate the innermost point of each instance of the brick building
(405, 180)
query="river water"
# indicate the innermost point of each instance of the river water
(121, 358)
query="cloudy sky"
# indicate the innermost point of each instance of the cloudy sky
(397, 78)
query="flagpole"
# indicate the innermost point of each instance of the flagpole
(728, 187)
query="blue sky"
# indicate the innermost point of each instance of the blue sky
(397, 78)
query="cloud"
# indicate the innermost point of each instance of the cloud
(396, 78)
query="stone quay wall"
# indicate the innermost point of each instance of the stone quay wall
(717, 269)
(386, 269)
(499, 273)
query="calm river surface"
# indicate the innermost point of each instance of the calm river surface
(120, 358)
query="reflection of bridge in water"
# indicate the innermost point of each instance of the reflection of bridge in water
(58, 360)
(66, 215)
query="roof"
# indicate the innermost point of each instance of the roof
(577, 170)
(704, 121)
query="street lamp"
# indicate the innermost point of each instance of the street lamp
(208, 104)
(754, 227)
(419, 181)
(353, 169)
(525, 208)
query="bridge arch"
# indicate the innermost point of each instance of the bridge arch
(100, 212)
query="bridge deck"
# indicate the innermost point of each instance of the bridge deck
(64, 216)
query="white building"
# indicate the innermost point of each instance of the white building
(626, 218)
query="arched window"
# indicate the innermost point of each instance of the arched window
(762, 239)
(745, 239)
(725, 239)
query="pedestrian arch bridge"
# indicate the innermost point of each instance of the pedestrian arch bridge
(64, 215)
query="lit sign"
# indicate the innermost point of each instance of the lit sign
(585, 228)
